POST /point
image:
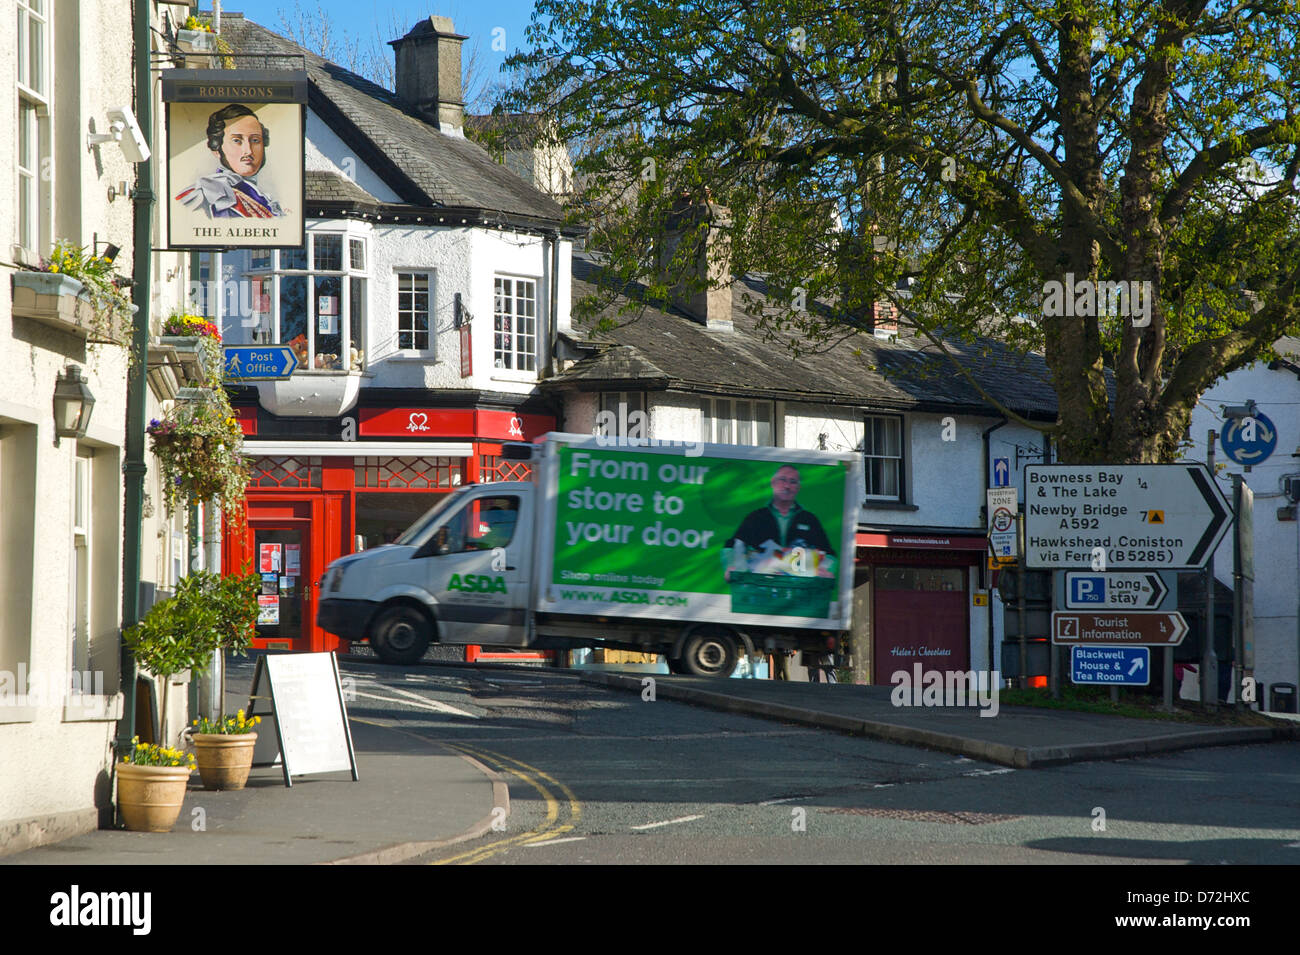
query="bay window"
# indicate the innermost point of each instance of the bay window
(312, 299)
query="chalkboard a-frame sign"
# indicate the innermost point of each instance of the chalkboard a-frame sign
(301, 695)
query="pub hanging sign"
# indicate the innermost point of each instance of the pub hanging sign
(235, 158)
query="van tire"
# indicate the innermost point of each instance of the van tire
(400, 635)
(710, 653)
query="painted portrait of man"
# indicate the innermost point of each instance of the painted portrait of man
(238, 142)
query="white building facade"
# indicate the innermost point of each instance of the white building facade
(421, 309)
(62, 525)
(1274, 388)
(702, 371)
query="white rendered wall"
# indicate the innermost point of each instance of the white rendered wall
(1277, 542)
(325, 152)
(43, 797)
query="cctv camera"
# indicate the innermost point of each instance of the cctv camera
(135, 147)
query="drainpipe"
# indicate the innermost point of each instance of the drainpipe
(134, 467)
(552, 332)
(988, 461)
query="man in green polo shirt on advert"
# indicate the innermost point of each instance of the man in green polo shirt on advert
(782, 522)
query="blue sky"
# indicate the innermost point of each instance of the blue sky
(475, 18)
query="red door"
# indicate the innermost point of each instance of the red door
(920, 616)
(279, 544)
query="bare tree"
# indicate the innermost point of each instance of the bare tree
(372, 57)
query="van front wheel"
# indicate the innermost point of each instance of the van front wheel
(400, 635)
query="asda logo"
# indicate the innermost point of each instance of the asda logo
(477, 584)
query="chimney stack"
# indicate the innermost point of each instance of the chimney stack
(428, 73)
(705, 289)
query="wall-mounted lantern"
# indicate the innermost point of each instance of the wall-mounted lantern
(72, 405)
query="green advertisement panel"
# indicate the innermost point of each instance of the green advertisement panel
(737, 535)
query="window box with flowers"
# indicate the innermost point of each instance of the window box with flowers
(195, 36)
(75, 292)
(198, 346)
(196, 39)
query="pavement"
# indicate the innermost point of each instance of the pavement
(414, 795)
(1018, 736)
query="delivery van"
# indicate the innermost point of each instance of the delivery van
(696, 551)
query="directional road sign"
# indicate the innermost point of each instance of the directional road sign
(1001, 472)
(1134, 629)
(260, 362)
(1122, 517)
(1116, 666)
(1123, 591)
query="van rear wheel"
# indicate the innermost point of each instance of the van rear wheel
(400, 635)
(710, 654)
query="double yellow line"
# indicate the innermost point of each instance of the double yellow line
(551, 828)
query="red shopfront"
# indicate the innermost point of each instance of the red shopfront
(312, 501)
(913, 597)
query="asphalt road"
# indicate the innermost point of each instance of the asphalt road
(598, 775)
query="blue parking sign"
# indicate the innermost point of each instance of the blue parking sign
(1087, 589)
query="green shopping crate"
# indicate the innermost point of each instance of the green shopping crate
(781, 595)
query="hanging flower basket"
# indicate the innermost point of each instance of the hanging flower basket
(199, 449)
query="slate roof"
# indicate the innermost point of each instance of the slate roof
(423, 165)
(514, 130)
(660, 349)
(325, 186)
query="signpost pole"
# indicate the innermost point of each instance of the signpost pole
(1209, 662)
(1167, 689)
(1243, 584)
(1020, 602)
(1054, 655)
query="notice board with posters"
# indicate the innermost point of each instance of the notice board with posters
(304, 716)
(235, 158)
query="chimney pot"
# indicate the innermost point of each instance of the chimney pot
(428, 73)
(704, 291)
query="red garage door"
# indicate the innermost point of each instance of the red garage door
(920, 617)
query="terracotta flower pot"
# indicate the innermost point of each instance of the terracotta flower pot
(224, 759)
(149, 798)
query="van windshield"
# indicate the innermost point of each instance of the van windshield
(413, 534)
